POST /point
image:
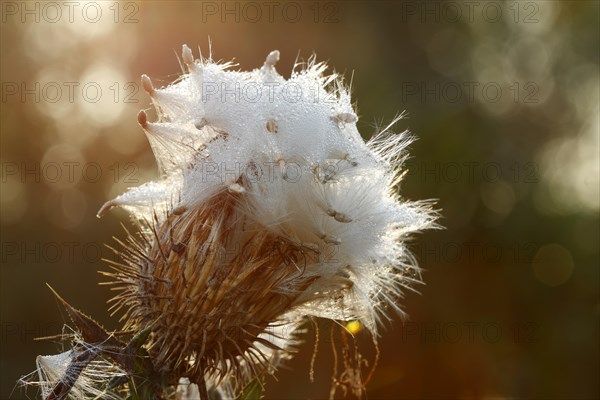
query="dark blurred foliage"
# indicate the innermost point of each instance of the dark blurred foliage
(502, 96)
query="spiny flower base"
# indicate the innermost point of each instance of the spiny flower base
(217, 318)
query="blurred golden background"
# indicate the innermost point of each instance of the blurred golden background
(503, 96)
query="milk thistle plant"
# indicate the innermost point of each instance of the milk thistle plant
(270, 211)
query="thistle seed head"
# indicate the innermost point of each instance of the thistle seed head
(270, 208)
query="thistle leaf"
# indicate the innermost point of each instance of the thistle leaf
(253, 391)
(91, 331)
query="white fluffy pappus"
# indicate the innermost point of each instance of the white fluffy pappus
(270, 208)
(86, 379)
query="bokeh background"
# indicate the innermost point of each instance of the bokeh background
(503, 97)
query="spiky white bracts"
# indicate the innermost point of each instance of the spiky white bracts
(270, 208)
